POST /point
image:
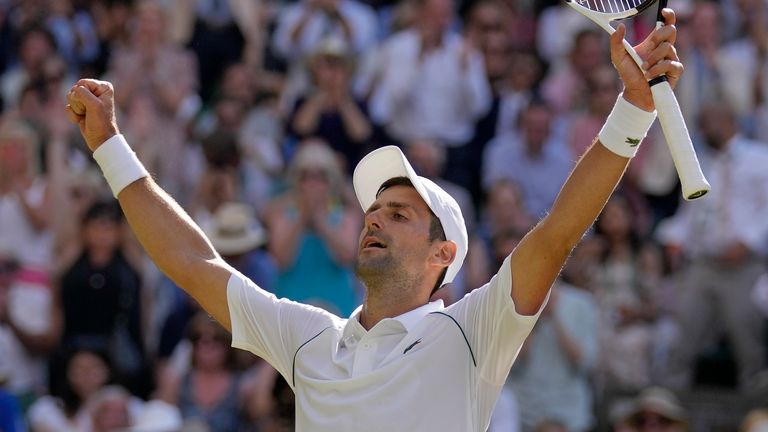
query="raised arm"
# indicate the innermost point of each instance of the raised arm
(539, 257)
(170, 237)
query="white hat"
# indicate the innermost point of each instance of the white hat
(234, 229)
(157, 416)
(332, 46)
(388, 162)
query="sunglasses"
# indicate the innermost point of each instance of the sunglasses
(313, 174)
(645, 420)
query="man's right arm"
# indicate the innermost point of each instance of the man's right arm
(170, 237)
(177, 246)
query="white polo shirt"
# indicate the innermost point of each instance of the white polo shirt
(431, 369)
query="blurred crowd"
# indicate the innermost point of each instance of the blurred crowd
(253, 113)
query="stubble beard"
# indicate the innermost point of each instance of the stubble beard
(382, 274)
(374, 271)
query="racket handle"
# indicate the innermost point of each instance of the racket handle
(680, 146)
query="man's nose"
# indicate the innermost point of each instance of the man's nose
(373, 220)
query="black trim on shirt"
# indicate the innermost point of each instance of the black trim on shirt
(462, 333)
(293, 366)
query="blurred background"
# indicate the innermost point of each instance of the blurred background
(253, 113)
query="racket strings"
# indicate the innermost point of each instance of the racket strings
(611, 6)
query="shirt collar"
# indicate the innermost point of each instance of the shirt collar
(408, 320)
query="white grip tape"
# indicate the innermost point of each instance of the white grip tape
(692, 179)
(119, 164)
(625, 128)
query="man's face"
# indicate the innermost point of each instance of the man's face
(717, 126)
(535, 127)
(437, 15)
(394, 242)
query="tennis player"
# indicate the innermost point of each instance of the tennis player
(399, 362)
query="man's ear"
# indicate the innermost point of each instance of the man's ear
(443, 254)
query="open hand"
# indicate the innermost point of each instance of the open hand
(91, 105)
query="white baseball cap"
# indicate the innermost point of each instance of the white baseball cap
(388, 162)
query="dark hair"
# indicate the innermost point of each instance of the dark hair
(36, 27)
(221, 150)
(62, 387)
(198, 323)
(436, 232)
(104, 210)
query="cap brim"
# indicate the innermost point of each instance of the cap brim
(379, 166)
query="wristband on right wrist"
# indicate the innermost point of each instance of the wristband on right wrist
(625, 128)
(119, 164)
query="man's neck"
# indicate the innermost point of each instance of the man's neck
(378, 307)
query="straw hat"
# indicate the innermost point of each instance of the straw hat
(659, 401)
(234, 229)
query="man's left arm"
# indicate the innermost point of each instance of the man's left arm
(537, 260)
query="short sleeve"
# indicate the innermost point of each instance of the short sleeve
(269, 327)
(493, 327)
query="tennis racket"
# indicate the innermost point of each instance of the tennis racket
(602, 13)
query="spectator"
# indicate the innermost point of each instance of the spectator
(301, 26)
(102, 267)
(700, 51)
(723, 239)
(24, 222)
(23, 196)
(520, 86)
(551, 377)
(413, 69)
(602, 88)
(329, 111)
(110, 409)
(113, 28)
(483, 29)
(565, 87)
(746, 62)
(86, 370)
(209, 391)
(534, 158)
(554, 49)
(503, 216)
(74, 32)
(258, 128)
(654, 410)
(35, 46)
(21, 370)
(313, 229)
(220, 180)
(624, 291)
(218, 32)
(238, 236)
(151, 64)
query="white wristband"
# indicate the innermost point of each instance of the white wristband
(625, 128)
(119, 163)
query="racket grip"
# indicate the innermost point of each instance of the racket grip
(679, 141)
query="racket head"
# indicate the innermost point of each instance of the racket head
(611, 10)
